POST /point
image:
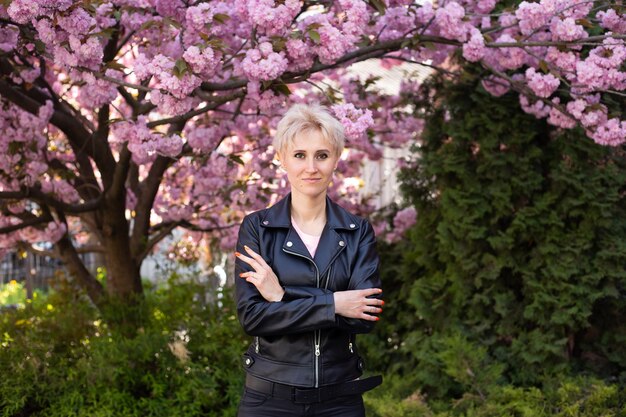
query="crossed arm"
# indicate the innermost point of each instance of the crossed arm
(353, 304)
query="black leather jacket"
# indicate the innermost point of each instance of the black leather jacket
(299, 340)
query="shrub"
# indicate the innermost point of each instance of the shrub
(64, 360)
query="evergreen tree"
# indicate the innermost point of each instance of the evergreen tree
(519, 248)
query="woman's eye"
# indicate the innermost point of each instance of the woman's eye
(322, 156)
(299, 155)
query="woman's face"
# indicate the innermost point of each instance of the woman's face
(309, 161)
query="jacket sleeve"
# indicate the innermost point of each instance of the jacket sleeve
(365, 274)
(259, 317)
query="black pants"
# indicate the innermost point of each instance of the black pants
(256, 404)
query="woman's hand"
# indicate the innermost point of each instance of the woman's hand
(263, 277)
(355, 304)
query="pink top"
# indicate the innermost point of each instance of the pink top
(310, 241)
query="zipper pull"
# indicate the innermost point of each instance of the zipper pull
(350, 347)
(317, 350)
(256, 345)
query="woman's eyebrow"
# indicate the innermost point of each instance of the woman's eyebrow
(303, 150)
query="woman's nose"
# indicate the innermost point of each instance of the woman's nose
(311, 166)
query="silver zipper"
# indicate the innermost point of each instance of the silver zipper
(317, 333)
(350, 347)
(256, 344)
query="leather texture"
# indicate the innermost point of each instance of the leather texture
(289, 333)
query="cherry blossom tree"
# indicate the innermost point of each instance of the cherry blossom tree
(123, 120)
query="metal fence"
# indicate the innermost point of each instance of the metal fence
(35, 270)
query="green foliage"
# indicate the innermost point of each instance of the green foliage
(12, 293)
(484, 394)
(507, 298)
(64, 360)
(520, 240)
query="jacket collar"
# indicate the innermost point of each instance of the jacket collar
(331, 243)
(279, 215)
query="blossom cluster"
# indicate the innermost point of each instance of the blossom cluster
(137, 74)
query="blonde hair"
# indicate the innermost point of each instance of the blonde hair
(305, 117)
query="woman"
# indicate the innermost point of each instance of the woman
(308, 283)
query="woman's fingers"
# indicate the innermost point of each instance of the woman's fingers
(258, 258)
(370, 291)
(250, 261)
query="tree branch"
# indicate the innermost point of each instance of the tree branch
(149, 189)
(26, 223)
(184, 117)
(159, 236)
(35, 194)
(69, 255)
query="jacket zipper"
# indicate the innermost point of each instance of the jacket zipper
(317, 333)
(256, 344)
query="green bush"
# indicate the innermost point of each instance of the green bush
(483, 393)
(508, 296)
(520, 241)
(64, 360)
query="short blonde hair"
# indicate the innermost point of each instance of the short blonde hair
(305, 117)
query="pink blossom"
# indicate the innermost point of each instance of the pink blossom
(300, 54)
(170, 8)
(169, 104)
(485, 6)
(474, 50)
(557, 118)
(566, 30)
(565, 61)
(537, 108)
(425, 13)
(29, 75)
(332, 45)
(104, 16)
(53, 232)
(543, 85)
(8, 38)
(271, 18)
(495, 86)
(450, 21)
(357, 17)
(589, 75)
(78, 22)
(610, 133)
(169, 145)
(262, 63)
(609, 19)
(531, 16)
(197, 17)
(611, 54)
(402, 221)
(60, 189)
(355, 121)
(508, 57)
(396, 22)
(22, 11)
(162, 69)
(203, 62)
(204, 139)
(97, 92)
(46, 32)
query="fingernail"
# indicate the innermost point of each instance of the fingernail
(241, 275)
(383, 303)
(246, 247)
(377, 318)
(237, 254)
